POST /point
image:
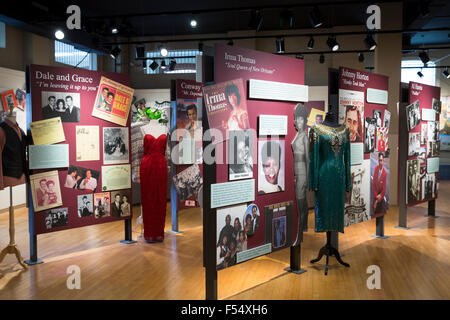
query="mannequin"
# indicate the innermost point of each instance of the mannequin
(13, 171)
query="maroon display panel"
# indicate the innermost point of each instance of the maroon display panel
(233, 63)
(85, 83)
(425, 95)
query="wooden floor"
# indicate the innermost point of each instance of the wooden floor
(415, 263)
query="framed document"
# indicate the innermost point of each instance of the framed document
(116, 177)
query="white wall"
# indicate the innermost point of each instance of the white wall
(318, 93)
(12, 79)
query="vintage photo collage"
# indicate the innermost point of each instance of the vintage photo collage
(423, 145)
(92, 198)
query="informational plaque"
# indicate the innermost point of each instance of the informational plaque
(356, 153)
(432, 165)
(428, 115)
(48, 156)
(228, 193)
(279, 91)
(270, 125)
(377, 96)
(253, 253)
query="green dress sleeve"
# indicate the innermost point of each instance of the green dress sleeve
(313, 160)
(348, 182)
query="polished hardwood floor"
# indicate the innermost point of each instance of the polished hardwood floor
(414, 263)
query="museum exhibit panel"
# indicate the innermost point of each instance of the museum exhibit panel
(206, 153)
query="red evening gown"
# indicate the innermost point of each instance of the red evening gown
(154, 187)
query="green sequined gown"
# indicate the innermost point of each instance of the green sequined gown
(329, 175)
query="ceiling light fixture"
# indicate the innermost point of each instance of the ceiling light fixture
(163, 65)
(230, 43)
(423, 8)
(279, 45)
(172, 65)
(315, 17)
(420, 74)
(332, 44)
(370, 42)
(287, 19)
(322, 58)
(310, 45)
(446, 74)
(115, 52)
(59, 34)
(154, 65)
(114, 30)
(361, 57)
(424, 57)
(140, 52)
(256, 19)
(193, 23)
(144, 64)
(200, 46)
(163, 50)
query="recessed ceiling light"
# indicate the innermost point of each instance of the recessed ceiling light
(193, 23)
(59, 34)
(114, 30)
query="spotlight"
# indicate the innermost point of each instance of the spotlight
(172, 65)
(200, 46)
(144, 64)
(423, 7)
(140, 52)
(256, 20)
(154, 65)
(332, 43)
(310, 43)
(114, 30)
(315, 17)
(287, 19)
(370, 43)
(420, 74)
(446, 74)
(360, 57)
(424, 57)
(163, 65)
(322, 58)
(230, 43)
(59, 34)
(115, 52)
(163, 50)
(193, 23)
(279, 45)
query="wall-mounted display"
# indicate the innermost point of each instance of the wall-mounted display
(432, 165)
(436, 104)
(429, 186)
(433, 130)
(271, 166)
(113, 101)
(229, 193)
(428, 115)
(45, 190)
(21, 97)
(87, 143)
(316, 116)
(115, 145)
(240, 154)
(65, 105)
(387, 119)
(82, 178)
(48, 131)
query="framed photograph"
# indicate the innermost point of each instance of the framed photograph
(414, 144)
(387, 119)
(251, 219)
(357, 206)
(278, 225)
(120, 203)
(85, 205)
(61, 104)
(413, 181)
(102, 205)
(433, 149)
(370, 132)
(423, 133)
(45, 190)
(188, 182)
(413, 115)
(376, 114)
(21, 97)
(433, 130)
(382, 139)
(8, 100)
(354, 116)
(82, 178)
(56, 218)
(436, 105)
(271, 166)
(429, 186)
(240, 154)
(116, 145)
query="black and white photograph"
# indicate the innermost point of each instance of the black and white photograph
(115, 145)
(231, 236)
(120, 203)
(188, 182)
(61, 104)
(433, 149)
(270, 166)
(85, 205)
(82, 178)
(429, 186)
(387, 119)
(413, 179)
(414, 144)
(423, 134)
(433, 130)
(376, 114)
(369, 136)
(422, 155)
(413, 115)
(240, 154)
(437, 105)
(56, 218)
(357, 204)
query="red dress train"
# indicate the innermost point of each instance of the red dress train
(154, 187)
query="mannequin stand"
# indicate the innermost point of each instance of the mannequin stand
(12, 247)
(328, 250)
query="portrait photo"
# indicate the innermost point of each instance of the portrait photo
(8, 100)
(82, 178)
(85, 205)
(380, 175)
(240, 154)
(45, 190)
(189, 118)
(56, 218)
(116, 145)
(231, 236)
(279, 232)
(358, 200)
(413, 143)
(21, 97)
(102, 204)
(387, 119)
(370, 132)
(271, 166)
(120, 203)
(354, 121)
(433, 130)
(251, 219)
(429, 186)
(413, 179)
(382, 139)
(412, 115)
(436, 105)
(61, 104)
(423, 134)
(376, 114)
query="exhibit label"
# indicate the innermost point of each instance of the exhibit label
(229, 193)
(48, 131)
(272, 125)
(271, 90)
(48, 156)
(377, 96)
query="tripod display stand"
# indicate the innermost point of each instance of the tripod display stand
(12, 246)
(328, 250)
